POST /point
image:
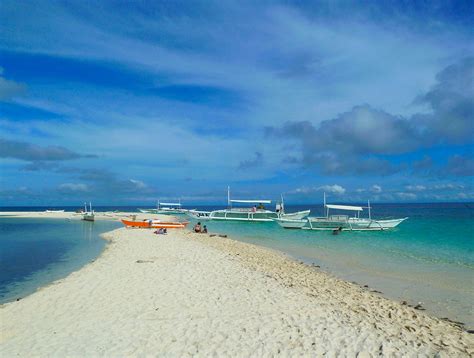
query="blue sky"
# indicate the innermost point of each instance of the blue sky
(128, 102)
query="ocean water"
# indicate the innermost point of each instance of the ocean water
(429, 258)
(36, 252)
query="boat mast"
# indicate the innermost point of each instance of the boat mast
(228, 196)
(325, 207)
(282, 205)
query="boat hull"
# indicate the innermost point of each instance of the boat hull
(88, 217)
(234, 215)
(380, 224)
(352, 224)
(346, 225)
(162, 211)
(296, 216)
(150, 224)
(291, 223)
(198, 215)
(245, 216)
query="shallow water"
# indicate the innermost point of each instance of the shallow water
(35, 252)
(429, 258)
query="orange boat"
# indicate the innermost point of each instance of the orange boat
(153, 224)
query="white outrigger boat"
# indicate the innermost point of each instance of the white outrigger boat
(165, 208)
(256, 212)
(342, 222)
(88, 215)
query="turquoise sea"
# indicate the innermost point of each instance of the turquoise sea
(429, 258)
(36, 252)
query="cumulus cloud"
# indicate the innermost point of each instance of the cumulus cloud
(362, 139)
(73, 187)
(333, 189)
(376, 189)
(32, 152)
(415, 187)
(352, 143)
(447, 186)
(452, 102)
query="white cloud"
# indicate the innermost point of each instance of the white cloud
(448, 186)
(138, 184)
(415, 187)
(376, 189)
(464, 196)
(406, 196)
(333, 189)
(75, 187)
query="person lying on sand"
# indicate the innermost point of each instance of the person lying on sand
(197, 227)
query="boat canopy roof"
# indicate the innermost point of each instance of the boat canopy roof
(251, 201)
(171, 204)
(345, 207)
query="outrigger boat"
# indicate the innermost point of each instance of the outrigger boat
(155, 224)
(255, 212)
(54, 211)
(165, 208)
(342, 222)
(88, 215)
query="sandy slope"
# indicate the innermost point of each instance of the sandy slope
(189, 294)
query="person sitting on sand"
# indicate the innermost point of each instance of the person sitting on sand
(197, 227)
(204, 230)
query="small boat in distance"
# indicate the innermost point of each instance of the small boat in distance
(341, 222)
(88, 215)
(165, 208)
(256, 212)
(155, 224)
(54, 211)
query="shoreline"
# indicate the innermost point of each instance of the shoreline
(322, 307)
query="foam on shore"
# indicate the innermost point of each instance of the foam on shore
(187, 294)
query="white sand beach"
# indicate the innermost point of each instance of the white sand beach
(186, 294)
